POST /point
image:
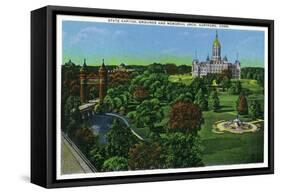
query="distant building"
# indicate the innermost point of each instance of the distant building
(121, 68)
(216, 64)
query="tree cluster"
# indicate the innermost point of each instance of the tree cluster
(146, 97)
(185, 117)
(256, 73)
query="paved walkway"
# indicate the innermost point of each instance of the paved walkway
(71, 161)
(124, 119)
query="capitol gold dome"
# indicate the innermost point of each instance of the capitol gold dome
(216, 42)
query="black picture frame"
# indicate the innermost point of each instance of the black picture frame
(43, 96)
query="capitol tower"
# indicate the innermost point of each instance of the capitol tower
(216, 56)
(215, 65)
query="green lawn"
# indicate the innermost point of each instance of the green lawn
(225, 148)
(250, 84)
(229, 148)
(183, 78)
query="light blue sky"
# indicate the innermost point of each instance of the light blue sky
(145, 44)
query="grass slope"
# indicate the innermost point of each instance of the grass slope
(229, 148)
(226, 148)
(183, 78)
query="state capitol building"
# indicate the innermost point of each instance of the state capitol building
(215, 64)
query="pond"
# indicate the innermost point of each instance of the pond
(101, 125)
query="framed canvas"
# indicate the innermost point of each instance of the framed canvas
(127, 96)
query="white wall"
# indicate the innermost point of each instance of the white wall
(15, 89)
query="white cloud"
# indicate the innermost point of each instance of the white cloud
(93, 29)
(84, 33)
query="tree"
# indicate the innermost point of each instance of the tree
(201, 100)
(124, 99)
(131, 115)
(249, 75)
(156, 68)
(255, 110)
(149, 84)
(119, 78)
(74, 88)
(242, 105)
(180, 150)
(71, 103)
(260, 80)
(75, 121)
(226, 73)
(159, 93)
(109, 102)
(93, 93)
(185, 117)
(116, 98)
(115, 164)
(256, 73)
(238, 87)
(140, 93)
(225, 83)
(208, 79)
(154, 86)
(232, 90)
(119, 140)
(144, 156)
(183, 69)
(171, 68)
(187, 97)
(117, 102)
(215, 101)
(198, 84)
(98, 109)
(149, 113)
(97, 156)
(72, 116)
(85, 139)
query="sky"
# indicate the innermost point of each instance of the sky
(145, 44)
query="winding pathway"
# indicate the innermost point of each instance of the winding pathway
(124, 119)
